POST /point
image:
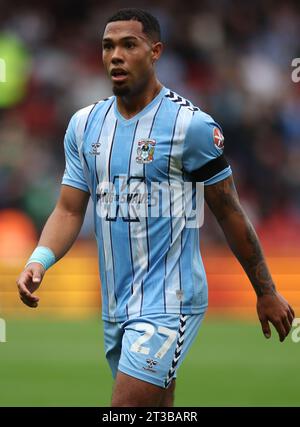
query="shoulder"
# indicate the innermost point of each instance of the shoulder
(81, 116)
(205, 132)
(80, 119)
(200, 119)
(203, 122)
(176, 100)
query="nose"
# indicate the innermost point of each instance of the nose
(117, 56)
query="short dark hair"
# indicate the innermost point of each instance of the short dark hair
(150, 24)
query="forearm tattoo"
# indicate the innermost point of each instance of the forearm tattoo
(223, 200)
(255, 264)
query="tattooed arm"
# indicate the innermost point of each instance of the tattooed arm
(223, 201)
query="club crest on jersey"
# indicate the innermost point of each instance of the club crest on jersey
(95, 150)
(218, 138)
(145, 150)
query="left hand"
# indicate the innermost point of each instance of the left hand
(275, 309)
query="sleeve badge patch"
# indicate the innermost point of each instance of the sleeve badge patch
(218, 138)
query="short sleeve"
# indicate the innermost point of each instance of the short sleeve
(73, 174)
(203, 156)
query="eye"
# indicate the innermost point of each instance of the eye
(129, 45)
(107, 46)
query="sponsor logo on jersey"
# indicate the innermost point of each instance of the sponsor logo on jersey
(150, 363)
(95, 150)
(218, 138)
(145, 150)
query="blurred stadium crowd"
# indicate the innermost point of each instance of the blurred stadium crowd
(231, 58)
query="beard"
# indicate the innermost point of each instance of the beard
(121, 90)
(133, 89)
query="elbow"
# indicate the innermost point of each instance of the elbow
(66, 214)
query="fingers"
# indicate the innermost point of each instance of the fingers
(275, 309)
(27, 297)
(37, 272)
(283, 327)
(36, 277)
(265, 327)
(23, 284)
(287, 325)
(292, 311)
(290, 317)
(29, 302)
(281, 330)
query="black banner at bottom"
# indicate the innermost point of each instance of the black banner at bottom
(93, 416)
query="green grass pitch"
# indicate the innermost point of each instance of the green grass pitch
(61, 363)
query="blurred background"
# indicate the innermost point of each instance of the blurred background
(233, 60)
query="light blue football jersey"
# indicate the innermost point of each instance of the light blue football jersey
(148, 263)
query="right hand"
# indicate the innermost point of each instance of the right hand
(28, 282)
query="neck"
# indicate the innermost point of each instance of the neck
(132, 104)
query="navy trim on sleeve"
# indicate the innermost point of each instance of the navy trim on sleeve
(210, 169)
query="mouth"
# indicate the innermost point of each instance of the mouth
(118, 75)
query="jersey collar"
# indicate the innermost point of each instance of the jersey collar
(145, 110)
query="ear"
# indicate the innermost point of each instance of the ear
(157, 49)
